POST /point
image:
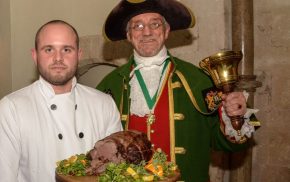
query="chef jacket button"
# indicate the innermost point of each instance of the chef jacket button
(60, 136)
(76, 107)
(53, 107)
(152, 131)
(81, 135)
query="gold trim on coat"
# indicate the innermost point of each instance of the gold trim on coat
(171, 119)
(163, 84)
(178, 116)
(149, 131)
(124, 117)
(255, 123)
(122, 99)
(180, 150)
(176, 84)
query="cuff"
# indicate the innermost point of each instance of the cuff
(227, 129)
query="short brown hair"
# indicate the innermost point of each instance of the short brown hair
(56, 22)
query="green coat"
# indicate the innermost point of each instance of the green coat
(195, 134)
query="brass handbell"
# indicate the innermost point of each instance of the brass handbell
(223, 69)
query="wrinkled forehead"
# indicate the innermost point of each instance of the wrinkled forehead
(146, 17)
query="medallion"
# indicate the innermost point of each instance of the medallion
(150, 118)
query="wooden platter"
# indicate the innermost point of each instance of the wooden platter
(66, 178)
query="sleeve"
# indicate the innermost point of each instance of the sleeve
(219, 141)
(9, 142)
(113, 117)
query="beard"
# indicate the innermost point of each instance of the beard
(57, 78)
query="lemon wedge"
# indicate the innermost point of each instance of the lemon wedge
(148, 178)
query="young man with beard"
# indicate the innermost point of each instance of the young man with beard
(161, 95)
(54, 117)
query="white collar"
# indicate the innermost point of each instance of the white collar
(47, 88)
(156, 60)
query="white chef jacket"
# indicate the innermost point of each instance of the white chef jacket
(39, 128)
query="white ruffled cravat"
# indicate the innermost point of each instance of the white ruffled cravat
(151, 71)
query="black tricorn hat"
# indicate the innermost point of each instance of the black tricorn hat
(176, 14)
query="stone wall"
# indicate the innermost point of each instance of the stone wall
(5, 49)
(271, 155)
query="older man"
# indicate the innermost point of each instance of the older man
(162, 95)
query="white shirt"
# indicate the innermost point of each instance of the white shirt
(151, 71)
(39, 128)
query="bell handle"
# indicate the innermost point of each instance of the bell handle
(236, 121)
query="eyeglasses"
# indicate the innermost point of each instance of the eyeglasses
(152, 26)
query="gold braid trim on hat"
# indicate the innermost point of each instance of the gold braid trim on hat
(192, 23)
(135, 1)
